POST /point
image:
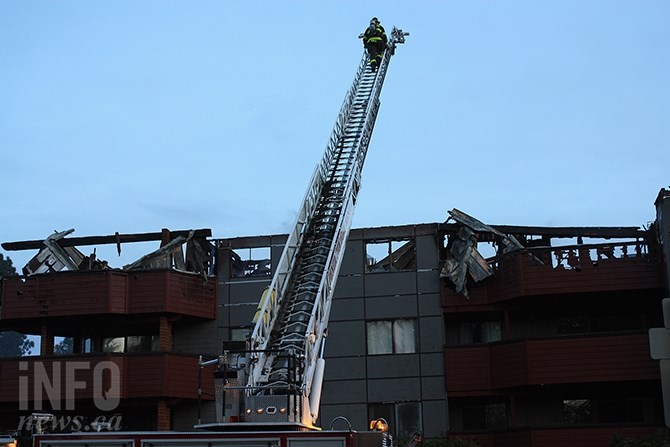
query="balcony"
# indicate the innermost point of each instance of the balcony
(103, 376)
(471, 370)
(73, 293)
(573, 269)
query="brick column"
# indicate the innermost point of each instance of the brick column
(163, 416)
(165, 335)
(46, 341)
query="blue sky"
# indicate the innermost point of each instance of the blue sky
(132, 116)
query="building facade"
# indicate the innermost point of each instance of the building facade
(513, 336)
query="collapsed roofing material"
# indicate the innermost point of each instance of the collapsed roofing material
(57, 252)
(463, 259)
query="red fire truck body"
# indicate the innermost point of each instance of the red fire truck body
(325, 438)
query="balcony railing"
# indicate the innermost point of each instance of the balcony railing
(480, 369)
(102, 376)
(562, 270)
(108, 292)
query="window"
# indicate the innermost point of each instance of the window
(599, 323)
(63, 345)
(113, 344)
(404, 418)
(142, 343)
(392, 336)
(240, 333)
(577, 411)
(471, 332)
(489, 416)
(572, 325)
(247, 262)
(390, 255)
(128, 344)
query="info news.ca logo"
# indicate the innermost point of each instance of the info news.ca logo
(61, 385)
(45, 422)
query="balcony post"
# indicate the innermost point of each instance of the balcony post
(46, 341)
(163, 415)
(165, 335)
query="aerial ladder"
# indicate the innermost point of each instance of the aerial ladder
(278, 378)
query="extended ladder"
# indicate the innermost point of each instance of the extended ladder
(289, 335)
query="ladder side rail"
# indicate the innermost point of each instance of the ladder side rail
(270, 310)
(287, 259)
(321, 310)
(286, 263)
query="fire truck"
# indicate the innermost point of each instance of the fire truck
(268, 392)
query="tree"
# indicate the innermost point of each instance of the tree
(65, 346)
(6, 267)
(659, 439)
(12, 344)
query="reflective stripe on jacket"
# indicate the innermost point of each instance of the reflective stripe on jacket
(374, 35)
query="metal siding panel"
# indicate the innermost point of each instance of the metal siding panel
(223, 316)
(341, 368)
(349, 286)
(403, 306)
(432, 364)
(432, 388)
(347, 309)
(242, 316)
(346, 339)
(426, 252)
(395, 283)
(428, 281)
(435, 418)
(430, 305)
(384, 366)
(431, 334)
(385, 390)
(353, 262)
(247, 291)
(343, 391)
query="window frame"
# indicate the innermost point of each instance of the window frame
(394, 342)
(409, 265)
(391, 411)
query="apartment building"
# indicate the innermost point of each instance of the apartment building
(510, 335)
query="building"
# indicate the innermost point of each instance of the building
(510, 335)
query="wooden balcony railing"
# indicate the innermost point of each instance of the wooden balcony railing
(570, 269)
(476, 369)
(106, 376)
(108, 292)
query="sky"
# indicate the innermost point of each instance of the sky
(132, 116)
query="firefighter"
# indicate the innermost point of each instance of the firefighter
(374, 41)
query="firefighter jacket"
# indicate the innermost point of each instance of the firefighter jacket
(374, 35)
